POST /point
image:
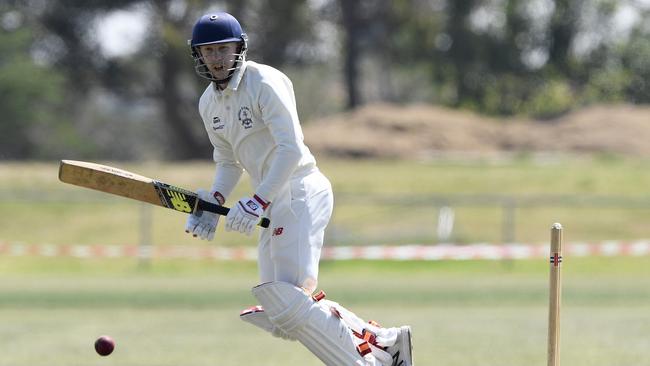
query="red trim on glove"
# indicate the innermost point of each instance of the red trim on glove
(262, 202)
(219, 197)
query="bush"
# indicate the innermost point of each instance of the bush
(551, 100)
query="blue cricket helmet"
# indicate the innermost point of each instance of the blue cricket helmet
(219, 27)
(213, 28)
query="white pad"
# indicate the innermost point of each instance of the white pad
(258, 317)
(384, 336)
(297, 314)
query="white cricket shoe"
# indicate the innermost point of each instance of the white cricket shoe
(402, 350)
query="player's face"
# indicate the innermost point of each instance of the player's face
(220, 58)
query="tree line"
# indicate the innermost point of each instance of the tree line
(63, 95)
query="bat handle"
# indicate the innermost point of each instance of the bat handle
(223, 211)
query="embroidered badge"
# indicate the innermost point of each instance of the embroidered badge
(217, 124)
(245, 117)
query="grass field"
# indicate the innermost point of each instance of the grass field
(376, 202)
(462, 312)
(182, 313)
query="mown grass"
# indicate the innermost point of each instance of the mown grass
(376, 202)
(182, 312)
(38, 282)
(185, 313)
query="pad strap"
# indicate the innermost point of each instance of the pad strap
(366, 339)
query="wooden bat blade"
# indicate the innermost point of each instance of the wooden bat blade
(110, 180)
(123, 183)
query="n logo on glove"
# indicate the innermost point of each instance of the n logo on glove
(245, 214)
(252, 205)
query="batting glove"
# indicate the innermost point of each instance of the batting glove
(246, 214)
(204, 223)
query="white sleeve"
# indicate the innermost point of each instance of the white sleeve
(226, 178)
(278, 106)
(228, 170)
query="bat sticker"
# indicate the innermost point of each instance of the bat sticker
(176, 198)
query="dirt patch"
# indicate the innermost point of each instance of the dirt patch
(420, 131)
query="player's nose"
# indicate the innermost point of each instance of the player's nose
(212, 58)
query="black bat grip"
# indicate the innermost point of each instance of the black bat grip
(223, 211)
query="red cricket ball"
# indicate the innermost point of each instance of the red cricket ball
(104, 345)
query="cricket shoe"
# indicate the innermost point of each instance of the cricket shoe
(402, 350)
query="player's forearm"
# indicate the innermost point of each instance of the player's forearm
(226, 177)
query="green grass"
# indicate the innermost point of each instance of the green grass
(519, 176)
(376, 202)
(185, 313)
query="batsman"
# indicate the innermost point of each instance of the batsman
(249, 112)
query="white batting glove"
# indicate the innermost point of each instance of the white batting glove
(204, 223)
(244, 215)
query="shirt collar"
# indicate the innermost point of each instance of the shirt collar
(233, 84)
(237, 76)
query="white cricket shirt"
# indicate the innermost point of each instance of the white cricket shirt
(253, 125)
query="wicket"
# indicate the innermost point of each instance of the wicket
(555, 292)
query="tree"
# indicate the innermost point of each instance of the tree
(636, 59)
(162, 71)
(65, 26)
(186, 138)
(353, 27)
(277, 29)
(29, 94)
(562, 31)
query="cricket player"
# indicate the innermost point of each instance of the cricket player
(249, 112)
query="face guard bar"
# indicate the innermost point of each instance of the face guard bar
(203, 71)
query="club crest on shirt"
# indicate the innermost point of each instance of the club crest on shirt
(217, 124)
(245, 117)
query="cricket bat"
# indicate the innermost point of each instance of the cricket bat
(126, 184)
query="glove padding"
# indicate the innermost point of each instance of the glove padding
(244, 215)
(203, 223)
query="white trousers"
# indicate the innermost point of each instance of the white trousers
(289, 250)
